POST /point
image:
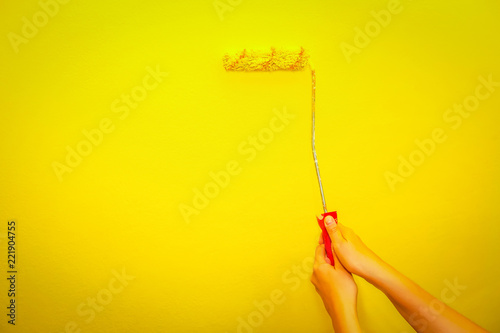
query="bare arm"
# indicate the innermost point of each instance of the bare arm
(421, 310)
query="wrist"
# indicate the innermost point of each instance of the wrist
(371, 267)
(379, 274)
(339, 306)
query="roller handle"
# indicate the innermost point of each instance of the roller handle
(326, 237)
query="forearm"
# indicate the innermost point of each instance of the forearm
(421, 310)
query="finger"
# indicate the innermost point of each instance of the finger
(328, 261)
(333, 231)
(319, 257)
(321, 241)
(338, 265)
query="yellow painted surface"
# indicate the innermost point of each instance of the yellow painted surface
(118, 210)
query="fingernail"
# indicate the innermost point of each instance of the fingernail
(328, 220)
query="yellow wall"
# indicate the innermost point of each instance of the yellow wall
(119, 209)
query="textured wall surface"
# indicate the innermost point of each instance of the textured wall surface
(154, 192)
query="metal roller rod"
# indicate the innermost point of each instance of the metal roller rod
(313, 139)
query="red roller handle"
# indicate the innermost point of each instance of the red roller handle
(326, 237)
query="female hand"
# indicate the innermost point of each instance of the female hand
(354, 255)
(337, 289)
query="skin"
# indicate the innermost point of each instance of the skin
(338, 290)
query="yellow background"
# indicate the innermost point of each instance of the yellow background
(120, 207)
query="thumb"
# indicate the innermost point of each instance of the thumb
(333, 230)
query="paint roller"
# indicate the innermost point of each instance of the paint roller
(283, 60)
